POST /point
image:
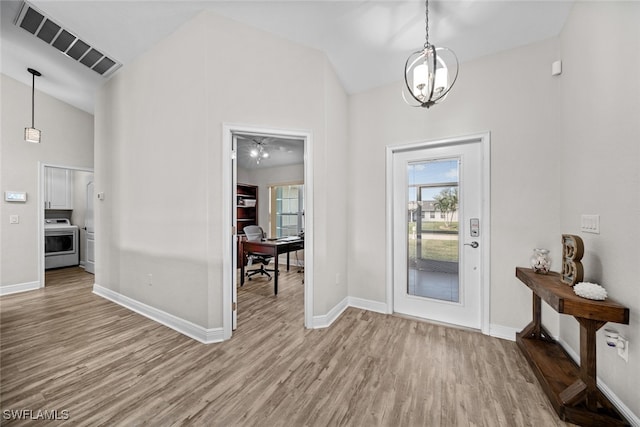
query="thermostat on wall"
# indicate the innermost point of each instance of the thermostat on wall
(15, 196)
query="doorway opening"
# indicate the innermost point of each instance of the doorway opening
(438, 227)
(269, 192)
(66, 236)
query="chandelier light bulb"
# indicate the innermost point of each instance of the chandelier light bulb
(253, 153)
(441, 80)
(420, 80)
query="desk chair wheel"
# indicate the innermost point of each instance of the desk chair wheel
(261, 271)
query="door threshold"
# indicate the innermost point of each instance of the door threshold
(435, 322)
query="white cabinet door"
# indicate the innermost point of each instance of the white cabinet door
(58, 191)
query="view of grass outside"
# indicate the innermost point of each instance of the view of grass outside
(434, 226)
(439, 249)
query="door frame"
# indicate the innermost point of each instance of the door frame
(41, 209)
(228, 178)
(485, 228)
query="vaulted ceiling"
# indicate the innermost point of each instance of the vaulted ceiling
(367, 41)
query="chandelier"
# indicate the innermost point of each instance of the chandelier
(429, 73)
(259, 151)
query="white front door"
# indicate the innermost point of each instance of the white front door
(90, 240)
(437, 232)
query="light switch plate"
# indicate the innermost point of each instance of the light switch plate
(590, 224)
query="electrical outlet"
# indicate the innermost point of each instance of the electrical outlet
(150, 279)
(623, 348)
(14, 219)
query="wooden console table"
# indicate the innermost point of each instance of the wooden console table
(572, 389)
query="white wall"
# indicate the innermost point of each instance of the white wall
(600, 154)
(512, 95)
(67, 140)
(151, 164)
(331, 198)
(161, 173)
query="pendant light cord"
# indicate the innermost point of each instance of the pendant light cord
(33, 91)
(426, 26)
(34, 73)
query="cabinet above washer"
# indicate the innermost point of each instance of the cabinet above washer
(58, 191)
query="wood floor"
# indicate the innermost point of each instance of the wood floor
(65, 349)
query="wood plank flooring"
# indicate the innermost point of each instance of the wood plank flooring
(63, 348)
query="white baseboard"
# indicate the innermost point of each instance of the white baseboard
(575, 356)
(633, 419)
(365, 304)
(19, 287)
(324, 321)
(615, 400)
(198, 333)
(503, 332)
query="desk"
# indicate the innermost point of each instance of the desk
(269, 247)
(572, 389)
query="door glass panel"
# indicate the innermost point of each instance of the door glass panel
(433, 229)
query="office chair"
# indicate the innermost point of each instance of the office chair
(254, 232)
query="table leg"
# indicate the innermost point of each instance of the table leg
(242, 266)
(534, 329)
(288, 260)
(275, 279)
(537, 315)
(588, 330)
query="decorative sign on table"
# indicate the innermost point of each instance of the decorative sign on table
(572, 252)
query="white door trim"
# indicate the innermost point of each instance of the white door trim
(228, 129)
(41, 187)
(485, 228)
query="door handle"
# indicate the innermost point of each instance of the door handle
(473, 244)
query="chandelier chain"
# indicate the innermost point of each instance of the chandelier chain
(426, 25)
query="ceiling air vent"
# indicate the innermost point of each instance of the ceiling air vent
(43, 27)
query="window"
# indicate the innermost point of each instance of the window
(287, 210)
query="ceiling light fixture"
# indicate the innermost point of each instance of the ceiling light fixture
(259, 151)
(429, 73)
(32, 134)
